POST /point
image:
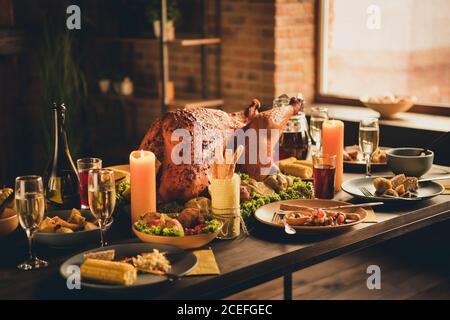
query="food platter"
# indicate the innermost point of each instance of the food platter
(182, 262)
(427, 190)
(361, 164)
(68, 240)
(265, 214)
(185, 242)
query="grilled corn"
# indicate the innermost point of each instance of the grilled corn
(109, 272)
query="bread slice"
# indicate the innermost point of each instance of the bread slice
(398, 180)
(411, 184)
(108, 255)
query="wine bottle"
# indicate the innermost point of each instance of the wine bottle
(62, 184)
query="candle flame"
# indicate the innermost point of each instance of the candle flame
(142, 154)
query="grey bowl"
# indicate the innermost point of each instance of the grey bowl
(406, 160)
(69, 240)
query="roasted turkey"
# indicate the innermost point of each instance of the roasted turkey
(184, 132)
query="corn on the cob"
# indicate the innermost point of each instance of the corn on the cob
(109, 271)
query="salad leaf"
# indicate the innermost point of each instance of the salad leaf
(145, 228)
(172, 232)
(211, 226)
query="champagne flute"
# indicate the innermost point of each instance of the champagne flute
(30, 206)
(318, 116)
(83, 166)
(102, 197)
(369, 136)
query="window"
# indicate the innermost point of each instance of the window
(373, 47)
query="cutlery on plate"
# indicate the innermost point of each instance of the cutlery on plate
(367, 193)
(435, 178)
(278, 218)
(288, 207)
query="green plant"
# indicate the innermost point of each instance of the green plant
(63, 81)
(153, 10)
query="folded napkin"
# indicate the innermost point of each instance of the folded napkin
(371, 216)
(446, 185)
(206, 265)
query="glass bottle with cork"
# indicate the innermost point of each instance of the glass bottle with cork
(62, 186)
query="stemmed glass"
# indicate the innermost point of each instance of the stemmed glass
(369, 136)
(30, 206)
(102, 197)
(83, 166)
(318, 116)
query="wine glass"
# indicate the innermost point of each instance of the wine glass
(369, 136)
(30, 206)
(102, 197)
(318, 116)
(83, 166)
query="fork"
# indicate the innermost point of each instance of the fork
(367, 193)
(276, 218)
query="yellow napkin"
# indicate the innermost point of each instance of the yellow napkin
(206, 265)
(446, 185)
(371, 216)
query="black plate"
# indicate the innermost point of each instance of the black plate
(427, 190)
(182, 262)
(69, 240)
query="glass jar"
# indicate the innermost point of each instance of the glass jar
(295, 140)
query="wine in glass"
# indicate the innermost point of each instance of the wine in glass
(102, 197)
(83, 166)
(369, 136)
(318, 116)
(30, 206)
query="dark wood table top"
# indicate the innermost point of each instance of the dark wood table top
(244, 262)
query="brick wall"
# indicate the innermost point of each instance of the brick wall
(248, 64)
(267, 49)
(295, 47)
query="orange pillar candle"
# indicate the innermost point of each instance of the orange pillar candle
(142, 183)
(333, 144)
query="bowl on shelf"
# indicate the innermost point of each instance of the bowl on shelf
(389, 106)
(410, 161)
(8, 222)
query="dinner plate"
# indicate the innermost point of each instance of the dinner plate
(265, 214)
(73, 239)
(181, 261)
(427, 190)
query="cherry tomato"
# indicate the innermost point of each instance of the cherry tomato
(320, 213)
(340, 219)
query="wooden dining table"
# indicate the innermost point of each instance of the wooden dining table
(267, 253)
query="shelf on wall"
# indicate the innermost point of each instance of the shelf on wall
(11, 42)
(185, 42)
(174, 104)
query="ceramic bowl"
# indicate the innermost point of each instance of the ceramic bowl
(407, 161)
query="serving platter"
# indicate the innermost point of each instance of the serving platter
(182, 262)
(361, 164)
(69, 240)
(265, 214)
(427, 190)
(185, 242)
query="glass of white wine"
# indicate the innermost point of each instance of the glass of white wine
(102, 197)
(30, 206)
(318, 116)
(369, 137)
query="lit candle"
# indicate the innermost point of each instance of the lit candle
(142, 183)
(333, 144)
